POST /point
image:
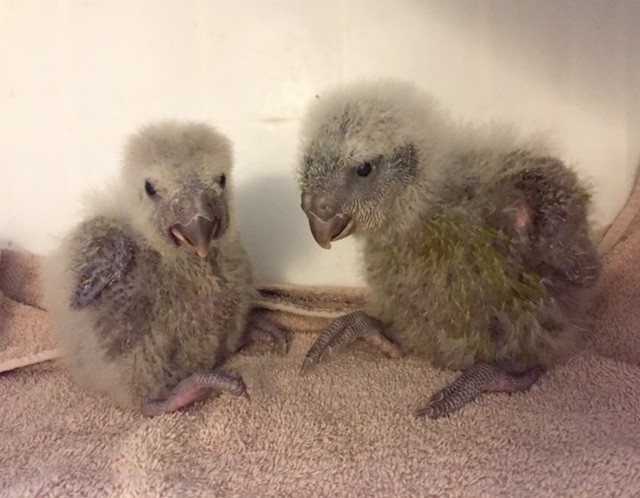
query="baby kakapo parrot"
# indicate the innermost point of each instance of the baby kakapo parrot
(153, 290)
(475, 244)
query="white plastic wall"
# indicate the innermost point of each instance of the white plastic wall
(77, 76)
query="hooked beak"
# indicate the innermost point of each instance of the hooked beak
(198, 233)
(336, 228)
(203, 222)
(325, 223)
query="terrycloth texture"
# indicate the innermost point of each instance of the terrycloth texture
(616, 311)
(24, 327)
(346, 429)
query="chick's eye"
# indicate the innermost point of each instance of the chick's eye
(149, 188)
(364, 169)
(222, 180)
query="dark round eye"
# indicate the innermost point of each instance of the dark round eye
(149, 188)
(222, 180)
(364, 169)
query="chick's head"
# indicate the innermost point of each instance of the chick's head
(177, 177)
(360, 156)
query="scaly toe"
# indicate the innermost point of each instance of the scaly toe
(307, 366)
(436, 407)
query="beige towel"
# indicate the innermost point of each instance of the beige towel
(346, 429)
(616, 310)
(24, 327)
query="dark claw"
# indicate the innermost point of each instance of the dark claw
(262, 328)
(306, 366)
(196, 387)
(344, 331)
(473, 381)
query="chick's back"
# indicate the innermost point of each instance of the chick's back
(468, 285)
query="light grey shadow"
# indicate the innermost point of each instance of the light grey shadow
(274, 229)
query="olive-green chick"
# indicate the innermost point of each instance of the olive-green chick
(475, 242)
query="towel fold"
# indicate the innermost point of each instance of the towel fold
(345, 429)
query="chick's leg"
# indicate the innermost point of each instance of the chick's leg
(196, 387)
(262, 328)
(473, 381)
(345, 330)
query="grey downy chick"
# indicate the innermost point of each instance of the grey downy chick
(153, 290)
(475, 243)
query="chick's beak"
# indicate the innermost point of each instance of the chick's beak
(325, 223)
(199, 222)
(198, 233)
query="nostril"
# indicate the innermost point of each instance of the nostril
(319, 205)
(323, 208)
